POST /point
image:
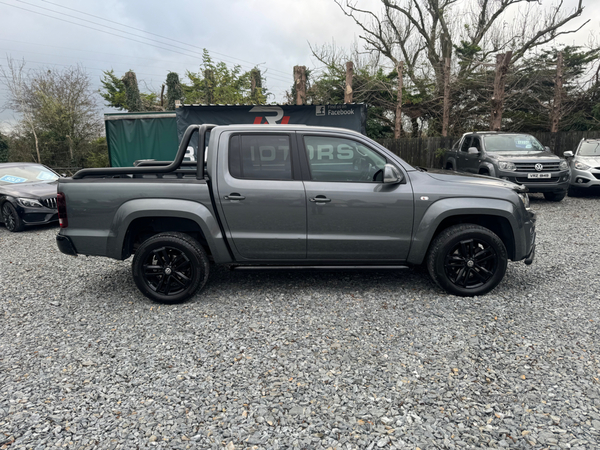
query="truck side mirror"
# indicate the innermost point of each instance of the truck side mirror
(473, 151)
(547, 148)
(392, 175)
(568, 154)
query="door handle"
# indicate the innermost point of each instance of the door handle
(320, 199)
(234, 196)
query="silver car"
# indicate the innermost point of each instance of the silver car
(585, 167)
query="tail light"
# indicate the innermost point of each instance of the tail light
(61, 203)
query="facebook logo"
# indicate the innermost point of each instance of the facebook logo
(320, 110)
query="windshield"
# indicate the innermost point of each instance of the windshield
(589, 149)
(512, 143)
(30, 173)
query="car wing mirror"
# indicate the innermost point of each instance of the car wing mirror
(568, 154)
(547, 148)
(473, 151)
(392, 175)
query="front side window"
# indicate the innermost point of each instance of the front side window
(339, 159)
(466, 144)
(260, 157)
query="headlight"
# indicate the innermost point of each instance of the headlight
(563, 165)
(29, 202)
(507, 165)
(581, 166)
(525, 199)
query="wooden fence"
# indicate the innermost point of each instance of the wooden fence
(428, 152)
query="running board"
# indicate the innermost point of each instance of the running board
(284, 267)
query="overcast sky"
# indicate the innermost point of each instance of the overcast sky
(273, 34)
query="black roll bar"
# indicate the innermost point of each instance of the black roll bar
(159, 166)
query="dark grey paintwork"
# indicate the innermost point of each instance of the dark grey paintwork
(277, 223)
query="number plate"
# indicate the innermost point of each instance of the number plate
(538, 175)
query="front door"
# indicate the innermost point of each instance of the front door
(351, 213)
(262, 200)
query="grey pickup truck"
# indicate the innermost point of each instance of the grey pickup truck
(293, 196)
(515, 157)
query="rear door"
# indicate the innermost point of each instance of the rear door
(262, 197)
(351, 214)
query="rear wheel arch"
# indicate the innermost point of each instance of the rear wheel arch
(143, 228)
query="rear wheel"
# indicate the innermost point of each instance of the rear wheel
(170, 267)
(11, 218)
(467, 260)
(555, 196)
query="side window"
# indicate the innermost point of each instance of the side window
(476, 143)
(260, 157)
(339, 159)
(466, 144)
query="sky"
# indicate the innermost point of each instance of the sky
(114, 34)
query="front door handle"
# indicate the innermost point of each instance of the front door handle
(234, 196)
(320, 199)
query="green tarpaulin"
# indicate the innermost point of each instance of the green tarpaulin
(133, 136)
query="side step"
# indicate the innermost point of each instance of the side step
(284, 267)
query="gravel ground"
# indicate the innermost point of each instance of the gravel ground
(303, 360)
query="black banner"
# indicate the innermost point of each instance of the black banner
(351, 116)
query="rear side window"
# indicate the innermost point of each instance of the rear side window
(260, 157)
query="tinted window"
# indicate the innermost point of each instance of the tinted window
(338, 159)
(260, 157)
(466, 144)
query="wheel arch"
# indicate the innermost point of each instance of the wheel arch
(143, 218)
(494, 214)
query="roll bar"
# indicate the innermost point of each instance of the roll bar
(151, 167)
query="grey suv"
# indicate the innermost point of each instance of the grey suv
(515, 157)
(585, 166)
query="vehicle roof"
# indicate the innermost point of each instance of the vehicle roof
(288, 127)
(503, 133)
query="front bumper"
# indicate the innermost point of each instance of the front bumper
(558, 181)
(36, 216)
(585, 178)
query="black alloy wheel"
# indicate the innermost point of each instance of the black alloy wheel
(470, 263)
(467, 260)
(11, 218)
(170, 267)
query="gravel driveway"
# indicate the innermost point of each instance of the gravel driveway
(304, 360)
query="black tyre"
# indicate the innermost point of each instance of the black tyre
(467, 260)
(11, 218)
(574, 191)
(555, 196)
(170, 267)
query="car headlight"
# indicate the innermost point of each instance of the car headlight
(29, 202)
(525, 199)
(581, 166)
(563, 165)
(507, 165)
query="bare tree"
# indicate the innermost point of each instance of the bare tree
(423, 33)
(14, 78)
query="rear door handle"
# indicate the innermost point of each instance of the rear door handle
(234, 196)
(320, 199)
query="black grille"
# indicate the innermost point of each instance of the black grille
(537, 180)
(530, 166)
(597, 175)
(49, 202)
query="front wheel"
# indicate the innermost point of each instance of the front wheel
(555, 196)
(170, 267)
(467, 260)
(11, 218)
